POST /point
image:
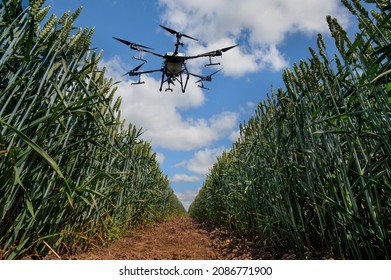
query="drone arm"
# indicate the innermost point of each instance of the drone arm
(134, 73)
(146, 72)
(148, 51)
(212, 53)
(198, 76)
(200, 55)
(205, 78)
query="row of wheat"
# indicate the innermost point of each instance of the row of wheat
(312, 169)
(71, 175)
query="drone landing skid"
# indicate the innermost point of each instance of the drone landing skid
(211, 63)
(139, 58)
(138, 83)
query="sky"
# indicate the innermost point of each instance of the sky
(189, 130)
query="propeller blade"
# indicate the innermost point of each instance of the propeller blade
(205, 78)
(215, 72)
(228, 48)
(212, 54)
(209, 77)
(123, 41)
(178, 34)
(143, 47)
(132, 44)
(138, 67)
(220, 51)
(187, 36)
(134, 70)
(169, 29)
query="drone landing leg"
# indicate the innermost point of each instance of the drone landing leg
(211, 63)
(162, 82)
(139, 82)
(139, 58)
(202, 86)
(183, 86)
(187, 79)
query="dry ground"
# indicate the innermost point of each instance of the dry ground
(181, 238)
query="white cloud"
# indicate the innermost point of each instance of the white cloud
(261, 21)
(179, 134)
(248, 108)
(160, 158)
(187, 197)
(157, 113)
(234, 136)
(259, 26)
(184, 178)
(202, 161)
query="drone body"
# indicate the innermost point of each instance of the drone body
(174, 66)
(174, 62)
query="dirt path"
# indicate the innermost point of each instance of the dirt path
(179, 239)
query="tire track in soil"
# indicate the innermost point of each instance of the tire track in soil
(180, 238)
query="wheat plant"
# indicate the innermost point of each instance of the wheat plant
(311, 171)
(72, 176)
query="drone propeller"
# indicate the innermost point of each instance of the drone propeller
(133, 72)
(132, 45)
(220, 51)
(228, 48)
(206, 78)
(212, 54)
(177, 34)
(209, 77)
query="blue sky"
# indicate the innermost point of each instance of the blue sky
(188, 130)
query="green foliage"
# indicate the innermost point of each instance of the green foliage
(312, 169)
(71, 175)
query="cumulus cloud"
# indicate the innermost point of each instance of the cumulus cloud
(234, 136)
(259, 26)
(158, 114)
(202, 160)
(187, 197)
(184, 178)
(160, 158)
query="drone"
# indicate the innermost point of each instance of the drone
(174, 67)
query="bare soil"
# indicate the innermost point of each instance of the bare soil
(181, 238)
